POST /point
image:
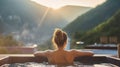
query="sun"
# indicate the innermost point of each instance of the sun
(54, 4)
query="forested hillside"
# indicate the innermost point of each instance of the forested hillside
(109, 28)
(93, 17)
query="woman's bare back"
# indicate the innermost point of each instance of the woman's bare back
(65, 57)
(60, 57)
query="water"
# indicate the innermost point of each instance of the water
(102, 51)
(33, 64)
(97, 51)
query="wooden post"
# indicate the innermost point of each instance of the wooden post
(118, 49)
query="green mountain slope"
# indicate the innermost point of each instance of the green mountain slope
(94, 17)
(111, 27)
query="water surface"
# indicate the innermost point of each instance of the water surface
(77, 64)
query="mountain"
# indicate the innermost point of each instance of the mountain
(71, 12)
(93, 17)
(110, 27)
(28, 21)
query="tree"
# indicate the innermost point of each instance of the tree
(8, 40)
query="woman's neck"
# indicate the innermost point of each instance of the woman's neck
(60, 49)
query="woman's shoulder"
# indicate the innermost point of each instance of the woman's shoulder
(81, 53)
(74, 50)
(71, 51)
(43, 53)
(48, 50)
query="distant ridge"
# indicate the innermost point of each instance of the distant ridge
(71, 12)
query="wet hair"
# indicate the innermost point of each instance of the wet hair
(59, 38)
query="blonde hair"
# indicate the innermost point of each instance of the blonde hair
(59, 38)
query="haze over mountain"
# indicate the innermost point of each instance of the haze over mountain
(93, 17)
(22, 18)
(70, 12)
(28, 21)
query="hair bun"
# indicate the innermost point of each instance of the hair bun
(59, 37)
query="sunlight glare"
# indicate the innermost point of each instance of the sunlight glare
(56, 4)
(34, 45)
(43, 17)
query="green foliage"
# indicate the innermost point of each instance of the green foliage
(111, 27)
(8, 40)
(3, 51)
(76, 35)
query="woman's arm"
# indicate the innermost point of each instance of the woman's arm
(82, 53)
(40, 53)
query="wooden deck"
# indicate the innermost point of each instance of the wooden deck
(31, 55)
(21, 58)
(3, 56)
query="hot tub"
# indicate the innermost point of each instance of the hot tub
(91, 61)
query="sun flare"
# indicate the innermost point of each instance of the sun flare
(55, 4)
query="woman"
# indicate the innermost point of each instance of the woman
(61, 56)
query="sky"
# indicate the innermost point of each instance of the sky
(56, 4)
